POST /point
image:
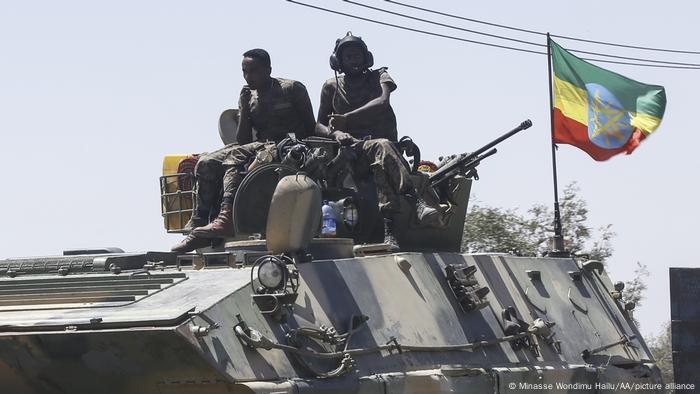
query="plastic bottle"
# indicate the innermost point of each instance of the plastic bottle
(328, 226)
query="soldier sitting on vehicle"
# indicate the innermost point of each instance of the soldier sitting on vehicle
(355, 110)
(273, 107)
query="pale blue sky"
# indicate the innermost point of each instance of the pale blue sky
(93, 94)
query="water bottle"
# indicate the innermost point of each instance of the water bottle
(328, 226)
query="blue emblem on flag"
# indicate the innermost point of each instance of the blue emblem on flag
(608, 123)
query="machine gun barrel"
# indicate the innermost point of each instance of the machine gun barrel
(475, 162)
(466, 162)
(524, 125)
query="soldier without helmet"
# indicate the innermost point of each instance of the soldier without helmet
(273, 107)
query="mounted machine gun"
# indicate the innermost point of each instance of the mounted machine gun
(465, 164)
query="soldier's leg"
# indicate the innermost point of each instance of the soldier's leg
(233, 176)
(208, 175)
(392, 178)
(389, 172)
(234, 167)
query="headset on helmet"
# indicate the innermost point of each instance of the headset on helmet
(335, 61)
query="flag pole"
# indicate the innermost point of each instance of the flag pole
(558, 240)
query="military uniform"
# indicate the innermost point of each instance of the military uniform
(349, 94)
(283, 108)
(377, 156)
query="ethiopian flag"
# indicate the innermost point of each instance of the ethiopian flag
(599, 111)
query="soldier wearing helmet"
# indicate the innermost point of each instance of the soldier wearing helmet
(355, 110)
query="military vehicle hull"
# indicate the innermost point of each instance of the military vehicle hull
(179, 329)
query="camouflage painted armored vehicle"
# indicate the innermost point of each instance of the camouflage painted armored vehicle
(275, 310)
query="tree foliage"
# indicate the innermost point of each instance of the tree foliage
(635, 288)
(489, 229)
(660, 347)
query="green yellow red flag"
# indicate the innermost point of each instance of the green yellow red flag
(599, 111)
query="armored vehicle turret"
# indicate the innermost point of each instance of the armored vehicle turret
(274, 308)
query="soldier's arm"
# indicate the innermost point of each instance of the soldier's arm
(324, 109)
(302, 105)
(359, 116)
(373, 106)
(245, 126)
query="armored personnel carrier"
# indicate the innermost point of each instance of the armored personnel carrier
(277, 309)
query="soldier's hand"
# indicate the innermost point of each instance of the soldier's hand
(343, 138)
(245, 98)
(337, 122)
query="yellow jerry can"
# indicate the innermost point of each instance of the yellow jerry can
(176, 194)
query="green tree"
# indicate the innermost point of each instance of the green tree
(489, 229)
(660, 347)
(635, 288)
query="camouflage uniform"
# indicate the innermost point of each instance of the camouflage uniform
(378, 155)
(284, 108)
(223, 168)
(381, 159)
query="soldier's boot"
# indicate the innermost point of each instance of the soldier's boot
(389, 237)
(198, 219)
(425, 213)
(219, 227)
(190, 243)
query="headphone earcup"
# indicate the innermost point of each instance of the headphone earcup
(334, 63)
(369, 59)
